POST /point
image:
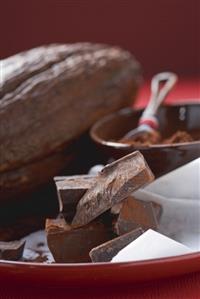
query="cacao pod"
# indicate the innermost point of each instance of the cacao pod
(50, 96)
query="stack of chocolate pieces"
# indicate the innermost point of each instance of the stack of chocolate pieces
(98, 214)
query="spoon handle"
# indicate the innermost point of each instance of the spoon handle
(158, 94)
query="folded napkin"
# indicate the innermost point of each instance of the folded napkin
(179, 194)
(151, 245)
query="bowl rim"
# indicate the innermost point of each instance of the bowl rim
(128, 110)
(179, 258)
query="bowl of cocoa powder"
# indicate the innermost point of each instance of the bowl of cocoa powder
(177, 144)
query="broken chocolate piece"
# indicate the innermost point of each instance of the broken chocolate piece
(72, 188)
(69, 179)
(105, 252)
(135, 213)
(69, 245)
(12, 250)
(115, 182)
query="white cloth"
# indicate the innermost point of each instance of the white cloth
(151, 245)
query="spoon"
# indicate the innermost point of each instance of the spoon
(148, 123)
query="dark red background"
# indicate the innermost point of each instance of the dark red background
(163, 34)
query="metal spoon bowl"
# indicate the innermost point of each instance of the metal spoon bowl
(148, 122)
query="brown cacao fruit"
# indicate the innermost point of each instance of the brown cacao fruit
(51, 95)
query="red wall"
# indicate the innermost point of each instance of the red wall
(163, 34)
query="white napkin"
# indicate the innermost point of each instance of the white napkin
(179, 194)
(36, 245)
(151, 245)
(184, 182)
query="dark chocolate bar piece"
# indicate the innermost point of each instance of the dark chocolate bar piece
(136, 213)
(70, 189)
(12, 250)
(105, 252)
(69, 245)
(115, 182)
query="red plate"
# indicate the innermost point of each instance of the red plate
(69, 275)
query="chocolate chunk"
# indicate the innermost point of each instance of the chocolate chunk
(69, 245)
(70, 189)
(12, 250)
(136, 213)
(115, 182)
(105, 252)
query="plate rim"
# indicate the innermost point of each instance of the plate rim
(165, 260)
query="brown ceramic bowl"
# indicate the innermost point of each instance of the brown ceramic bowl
(161, 158)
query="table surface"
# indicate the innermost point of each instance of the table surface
(184, 287)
